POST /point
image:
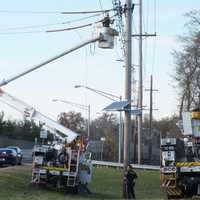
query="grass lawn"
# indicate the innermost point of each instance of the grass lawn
(106, 184)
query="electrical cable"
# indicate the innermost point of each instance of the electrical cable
(69, 29)
(54, 12)
(101, 4)
(145, 42)
(20, 32)
(117, 7)
(87, 12)
(147, 16)
(55, 30)
(50, 24)
(76, 27)
(155, 39)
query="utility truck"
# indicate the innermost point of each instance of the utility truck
(180, 159)
(63, 162)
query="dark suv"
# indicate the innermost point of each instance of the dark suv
(8, 156)
(19, 153)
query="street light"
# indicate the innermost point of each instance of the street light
(80, 106)
(113, 98)
(100, 92)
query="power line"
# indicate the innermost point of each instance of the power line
(54, 12)
(76, 27)
(117, 7)
(50, 24)
(48, 31)
(69, 29)
(20, 32)
(87, 12)
(101, 4)
(55, 30)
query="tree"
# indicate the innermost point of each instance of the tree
(106, 126)
(73, 120)
(2, 122)
(166, 126)
(187, 64)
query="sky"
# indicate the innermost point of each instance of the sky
(97, 68)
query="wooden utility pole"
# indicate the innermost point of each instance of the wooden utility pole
(150, 119)
(151, 90)
(140, 82)
(140, 89)
(128, 66)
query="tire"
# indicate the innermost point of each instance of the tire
(20, 162)
(13, 163)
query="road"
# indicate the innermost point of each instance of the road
(27, 155)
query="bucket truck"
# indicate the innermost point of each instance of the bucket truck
(180, 159)
(62, 163)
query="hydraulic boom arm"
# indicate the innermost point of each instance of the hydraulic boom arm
(29, 112)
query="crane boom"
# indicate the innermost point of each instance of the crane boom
(31, 113)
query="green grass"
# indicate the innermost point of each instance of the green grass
(106, 184)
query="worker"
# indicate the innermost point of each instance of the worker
(130, 182)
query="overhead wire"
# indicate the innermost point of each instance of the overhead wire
(145, 25)
(155, 39)
(117, 7)
(54, 12)
(47, 31)
(70, 28)
(101, 4)
(50, 24)
(76, 27)
(55, 30)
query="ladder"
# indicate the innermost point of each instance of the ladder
(73, 167)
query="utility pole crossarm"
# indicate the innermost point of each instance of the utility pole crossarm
(145, 35)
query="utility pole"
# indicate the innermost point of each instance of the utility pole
(150, 117)
(140, 82)
(120, 135)
(140, 89)
(128, 65)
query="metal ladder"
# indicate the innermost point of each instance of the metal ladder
(73, 166)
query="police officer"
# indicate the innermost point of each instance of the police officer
(130, 182)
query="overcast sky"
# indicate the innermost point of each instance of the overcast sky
(90, 65)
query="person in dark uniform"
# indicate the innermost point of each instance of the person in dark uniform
(130, 182)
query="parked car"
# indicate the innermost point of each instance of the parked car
(19, 153)
(8, 156)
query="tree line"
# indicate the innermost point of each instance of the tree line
(14, 129)
(187, 64)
